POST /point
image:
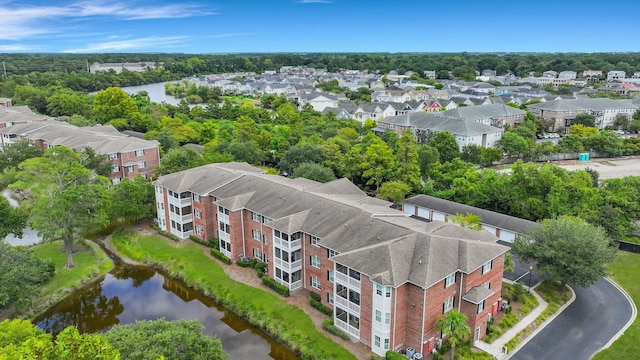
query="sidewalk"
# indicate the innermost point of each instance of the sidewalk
(495, 348)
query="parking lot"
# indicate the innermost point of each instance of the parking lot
(608, 168)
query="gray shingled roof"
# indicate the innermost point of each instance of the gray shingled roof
(488, 217)
(441, 122)
(581, 104)
(483, 112)
(477, 294)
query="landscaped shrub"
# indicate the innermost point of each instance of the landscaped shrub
(215, 243)
(332, 329)
(392, 355)
(508, 321)
(315, 296)
(273, 284)
(165, 233)
(518, 292)
(261, 268)
(208, 243)
(246, 263)
(218, 255)
(319, 306)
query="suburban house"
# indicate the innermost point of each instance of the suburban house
(564, 111)
(319, 101)
(466, 131)
(505, 227)
(497, 115)
(129, 155)
(119, 67)
(5, 102)
(616, 75)
(387, 276)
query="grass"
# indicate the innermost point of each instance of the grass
(287, 323)
(625, 270)
(90, 263)
(241, 99)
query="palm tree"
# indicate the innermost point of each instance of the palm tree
(454, 325)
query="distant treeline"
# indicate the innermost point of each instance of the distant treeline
(460, 64)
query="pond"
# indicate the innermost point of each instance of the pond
(130, 293)
(29, 236)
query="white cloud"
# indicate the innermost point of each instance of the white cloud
(130, 44)
(15, 48)
(20, 21)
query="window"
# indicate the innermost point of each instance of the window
(330, 298)
(130, 168)
(256, 217)
(331, 253)
(142, 165)
(113, 156)
(197, 213)
(386, 344)
(315, 282)
(448, 304)
(199, 230)
(387, 318)
(223, 210)
(387, 291)
(313, 240)
(330, 275)
(315, 261)
(115, 168)
(256, 235)
(196, 197)
(257, 253)
(480, 307)
(487, 285)
(379, 289)
(159, 189)
(266, 219)
(139, 152)
(450, 280)
(376, 340)
(115, 181)
(378, 316)
(486, 267)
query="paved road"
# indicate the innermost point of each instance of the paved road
(585, 326)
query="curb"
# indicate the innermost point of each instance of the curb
(634, 314)
(543, 325)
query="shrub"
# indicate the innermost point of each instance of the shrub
(332, 329)
(261, 268)
(220, 256)
(508, 321)
(315, 296)
(215, 243)
(518, 292)
(392, 355)
(208, 243)
(272, 284)
(319, 306)
(246, 263)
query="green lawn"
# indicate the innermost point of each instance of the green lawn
(241, 99)
(89, 264)
(261, 307)
(626, 272)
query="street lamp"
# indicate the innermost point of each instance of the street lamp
(530, 270)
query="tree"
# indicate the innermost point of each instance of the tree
(585, 119)
(13, 154)
(468, 220)
(567, 249)
(454, 326)
(394, 190)
(407, 154)
(446, 145)
(427, 155)
(514, 144)
(178, 159)
(378, 163)
(472, 153)
(621, 122)
(176, 340)
(22, 274)
(490, 155)
(19, 339)
(132, 200)
(113, 103)
(66, 199)
(313, 171)
(298, 154)
(12, 221)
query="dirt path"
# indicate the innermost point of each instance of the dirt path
(249, 277)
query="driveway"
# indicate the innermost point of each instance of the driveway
(583, 328)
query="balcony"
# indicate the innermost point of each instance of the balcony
(223, 217)
(339, 300)
(346, 279)
(224, 236)
(346, 328)
(289, 245)
(287, 266)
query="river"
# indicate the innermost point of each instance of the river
(130, 293)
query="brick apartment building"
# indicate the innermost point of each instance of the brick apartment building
(388, 276)
(129, 156)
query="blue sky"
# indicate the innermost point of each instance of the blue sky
(226, 26)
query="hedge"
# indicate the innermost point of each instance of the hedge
(242, 263)
(273, 284)
(211, 243)
(319, 306)
(328, 325)
(164, 233)
(222, 257)
(392, 355)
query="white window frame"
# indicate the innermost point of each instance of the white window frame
(450, 280)
(116, 181)
(480, 307)
(386, 344)
(112, 156)
(448, 304)
(379, 289)
(256, 217)
(376, 341)
(115, 168)
(387, 291)
(331, 276)
(142, 165)
(387, 318)
(197, 213)
(378, 316)
(313, 240)
(256, 235)
(486, 267)
(199, 230)
(140, 152)
(196, 197)
(315, 261)
(316, 283)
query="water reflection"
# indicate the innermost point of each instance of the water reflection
(131, 293)
(29, 236)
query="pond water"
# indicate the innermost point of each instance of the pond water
(130, 293)
(156, 92)
(29, 236)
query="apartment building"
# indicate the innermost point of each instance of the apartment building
(129, 156)
(387, 276)
(11, 115)
(563, 112)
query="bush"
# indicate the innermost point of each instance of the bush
(272, 284)
(220, 256)
(392, 355)
(315, 296)
(319, 306)
(332, 329)
(261, 268)
(246, 263)
(508, 321)
(208, 243)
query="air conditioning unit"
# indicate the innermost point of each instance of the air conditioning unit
(438, 343)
